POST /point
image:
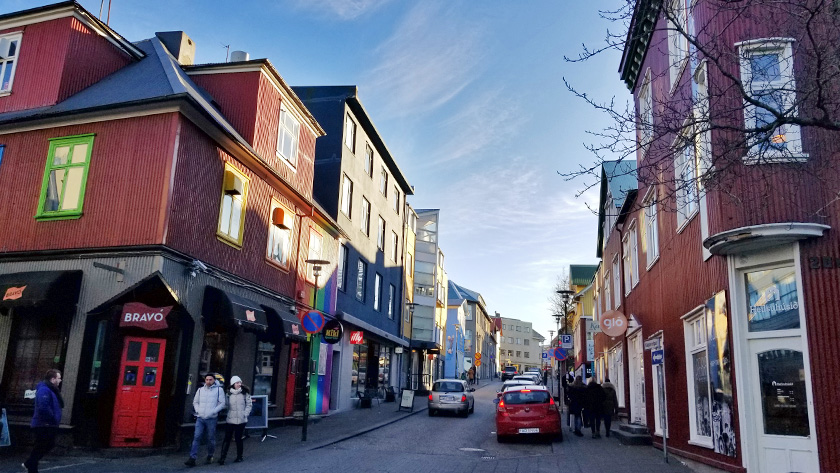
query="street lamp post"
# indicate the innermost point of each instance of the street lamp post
(316, 271)
(457, 366)
(566, 296)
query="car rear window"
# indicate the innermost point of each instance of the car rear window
(532, 397)
(449, 387)
(510, 368)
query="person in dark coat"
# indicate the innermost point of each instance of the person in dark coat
(577, 397)
(45, 420)
(610, 405)
(594, 406)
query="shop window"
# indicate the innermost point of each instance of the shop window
(773, 302)
(214, 353)
(358, 375)
(65, 178)
(96, 364)
(264, 370)
(699, 389)
(384, 376)
(231, 227)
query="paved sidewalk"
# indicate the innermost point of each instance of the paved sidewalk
(322, 432)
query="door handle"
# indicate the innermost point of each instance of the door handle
(155, 396)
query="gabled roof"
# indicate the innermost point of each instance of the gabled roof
(350, 95)
(467, 294)
(581, 274)
(618, 179)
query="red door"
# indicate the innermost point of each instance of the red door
(138, 392)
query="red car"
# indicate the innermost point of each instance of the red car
(529, 410)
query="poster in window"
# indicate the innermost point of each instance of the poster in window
(322, 359)
(783, 401)
(720, 377)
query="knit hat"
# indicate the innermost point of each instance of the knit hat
(235, 379)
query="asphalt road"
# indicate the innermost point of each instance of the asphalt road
(417, 443)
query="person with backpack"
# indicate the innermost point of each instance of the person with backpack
(239, 408)
(610, 405)
(209, 400)
(45, 420)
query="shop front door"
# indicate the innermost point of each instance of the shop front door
(138, 392)
(638, 411)
(770, 332)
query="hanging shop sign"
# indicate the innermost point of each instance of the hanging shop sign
(13, 293)
(137, 314)
(613, 323)
(332, 332)
(357, 337)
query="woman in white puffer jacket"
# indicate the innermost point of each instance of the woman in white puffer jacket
(239, 408)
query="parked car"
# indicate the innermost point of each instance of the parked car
(526, 411)
(513, 383)
(537, 379)
(451, 395)
(509, 372)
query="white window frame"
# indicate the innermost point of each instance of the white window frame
(341, 269)
(314, 250)
(369, 160)
(377, 292)
(634, 252)
(6, 70)
(678, 47)
(350, 132)
(687, 169)
(786, 85)
(651, 212)
(616, 371)
(616, 268)
(392, 292)
(285, 134)
(397, 200)
(694, 326)
(383, 182)
(365, 220)
(347, 197)
(625, 256)
(607, 295)
(645, 126)
(395, 243)
(280, 239)
(380, 238)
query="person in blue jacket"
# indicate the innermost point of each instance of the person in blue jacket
(45, 420)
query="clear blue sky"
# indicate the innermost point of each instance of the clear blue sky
(467, 95)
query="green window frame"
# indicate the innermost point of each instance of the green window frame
(65, 178)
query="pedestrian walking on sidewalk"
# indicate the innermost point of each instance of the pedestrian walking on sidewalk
(471, 375)
(610, 405)
(594, 406)
(239, 408)
(209, 400)
(577, 395)
(45, 420)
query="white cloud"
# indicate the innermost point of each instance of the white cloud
(431, 57)
(342, 9)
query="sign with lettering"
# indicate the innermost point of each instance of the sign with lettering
(357, 337)
(613, 323)
(13, 293)
(332, 332)
(657, 357)
(137, 314)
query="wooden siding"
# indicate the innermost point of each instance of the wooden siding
(236, 96)
(57, 59)
(194, 214)
(125, 189)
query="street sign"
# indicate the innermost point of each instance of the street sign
(477, 356)
(566, 341)
(560, 354)
(312, 321)
(332, 332)
(356, 337)
(652, 344)
(657, 357)
(545, 355)
(477, 362)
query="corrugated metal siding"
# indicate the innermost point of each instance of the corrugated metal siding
(125, 192)
(236, 95)
(195, 212)
(89, 59)
(38, 75)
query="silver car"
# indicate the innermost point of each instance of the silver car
(451, 395)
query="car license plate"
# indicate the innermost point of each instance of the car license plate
(447, 398)
(534, 430)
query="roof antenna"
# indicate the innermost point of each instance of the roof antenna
(101, 4)
(227, 51)
(108, 20)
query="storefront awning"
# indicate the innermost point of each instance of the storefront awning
(38, 288)
(284, 324)
(370, 329)
(224, 306)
